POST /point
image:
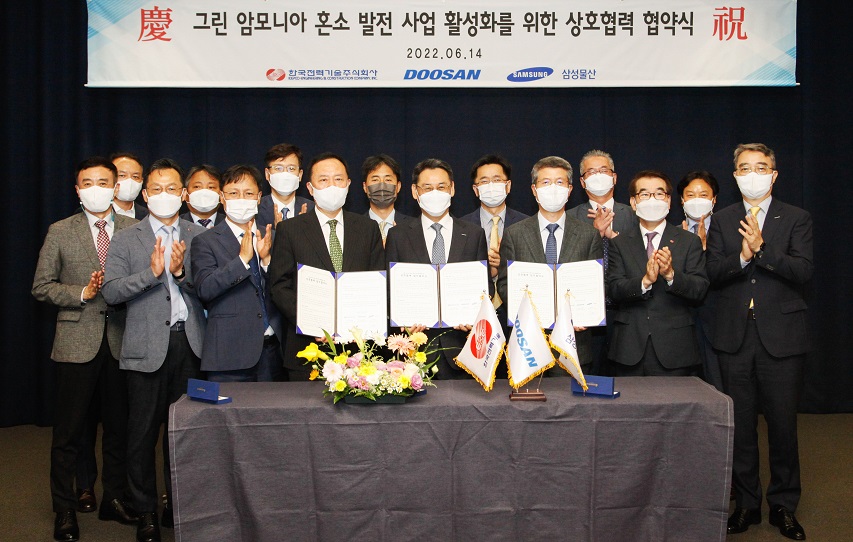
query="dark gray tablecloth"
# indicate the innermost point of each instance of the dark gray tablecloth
(282, 463)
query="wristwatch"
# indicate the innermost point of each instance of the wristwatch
(760, 250)
(180, 275)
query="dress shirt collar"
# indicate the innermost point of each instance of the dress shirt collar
(486, 219)
(609, 204)
(238, 231)
(543, 222)
(110, 219)
(377, 218)
(156, 225)
(324, 219)
(446, 223)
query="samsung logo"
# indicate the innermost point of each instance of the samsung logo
(529, 74)
(423, 75)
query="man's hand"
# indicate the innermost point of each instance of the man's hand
(751, 233)
(413, 329)
(247, 248)
(176, 263)
(494, 262)
(158, 263)
(602, 220)
(464, 327)
(304, 209)
(652, 271)
(264, 245)
(700, 231)
(663, 259)
(277, 215)
(579, 328)
(94, 286)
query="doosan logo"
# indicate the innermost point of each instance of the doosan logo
(435, 75)
(529, 74)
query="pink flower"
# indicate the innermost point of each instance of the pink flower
(400, 344)
(352, 362)
(417, 382)
(395, 365)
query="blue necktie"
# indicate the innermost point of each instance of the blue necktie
(175, 297)
(551, 244)
(284, 212)
(438, 257)
(259, 281)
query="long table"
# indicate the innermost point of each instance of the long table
(282, 463)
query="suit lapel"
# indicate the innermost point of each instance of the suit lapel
(145, 236)
(417, 240)
(86, 240)
(533, 240)
(457, 243)
(352, 239)
(772, 220)
(316, 240)
(569, 242)
(637, 247)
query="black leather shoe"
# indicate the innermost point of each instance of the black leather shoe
(116, 510)
(147, 529)
(86, 501)
(65, 526)
(787, 522)
(168, 519)
(742, 518)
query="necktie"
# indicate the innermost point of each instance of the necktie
(335, 247)
(551, 244)
(494, 237)
(694, 228)
(284, 212)
(175, 299)
(103, 242)
(259, 284)
(754, 210)
(382, 229)
(650, 246)
(205, 222)
(438, 257)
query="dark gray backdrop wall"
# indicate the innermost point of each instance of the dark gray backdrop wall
(51, 122)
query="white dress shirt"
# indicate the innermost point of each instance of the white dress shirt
(446, 233)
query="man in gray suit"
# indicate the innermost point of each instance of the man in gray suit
(69, 275)
(162, 344)
(551, 236)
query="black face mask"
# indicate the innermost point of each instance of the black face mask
(382, 195)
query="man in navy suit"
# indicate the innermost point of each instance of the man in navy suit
(283, 170)
(241, 340)
(202, 185)
(437, 238)
(657, 274)
(382, 185)
(760, 257)
(326, 238)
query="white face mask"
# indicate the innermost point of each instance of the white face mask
(204, 200)
(241, 211)
(492, 194)
(330, 198)
(653, 210)
(96, 199)
(164, 205)
(598, 184)
(696, 208)
(753, 185)
(553, 197)
(284, 183)
(128, 190)
(434, 202)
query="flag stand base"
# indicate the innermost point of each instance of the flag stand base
(527, 395)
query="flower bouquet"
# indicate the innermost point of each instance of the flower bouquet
(365, 373)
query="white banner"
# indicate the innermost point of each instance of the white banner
(441, 43)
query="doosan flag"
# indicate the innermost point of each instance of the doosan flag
(528, 353)
(485, 345)
(563, 340)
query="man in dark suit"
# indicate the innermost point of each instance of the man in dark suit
(598, 178)
(202, 184)
(657, 273)
(760, 256)
(241, 340)
(382, 183)
(437, 238)
(326, 238)
(283, 170)
(87, 343)
(130, 170)
(551, 236)
(147, 270)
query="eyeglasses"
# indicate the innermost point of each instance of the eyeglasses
(559, 182)
(489, 180)
(761, 169)
(592, 171)
(644, 195)
(278, 168)
(429, 188)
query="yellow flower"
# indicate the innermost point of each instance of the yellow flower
(312, 352)
(341, 358)
(404, 381)
(418, 338)
(340, 385)
(420, 357)
(366, 370)
(314, 374)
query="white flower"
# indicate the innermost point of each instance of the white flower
(373, 379)
(332, 371)
(377, 338)
(410, 370)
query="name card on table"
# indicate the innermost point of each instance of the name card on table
(203, 390)
(599, 386)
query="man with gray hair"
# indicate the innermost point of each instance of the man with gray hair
(551, 236)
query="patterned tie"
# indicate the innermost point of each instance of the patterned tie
(103, 242)
(205, 222)
(438, 257)
(259, 282)
(754, 210)
(335, 247)
(284, 212)
(551, 244)
(650, 246)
